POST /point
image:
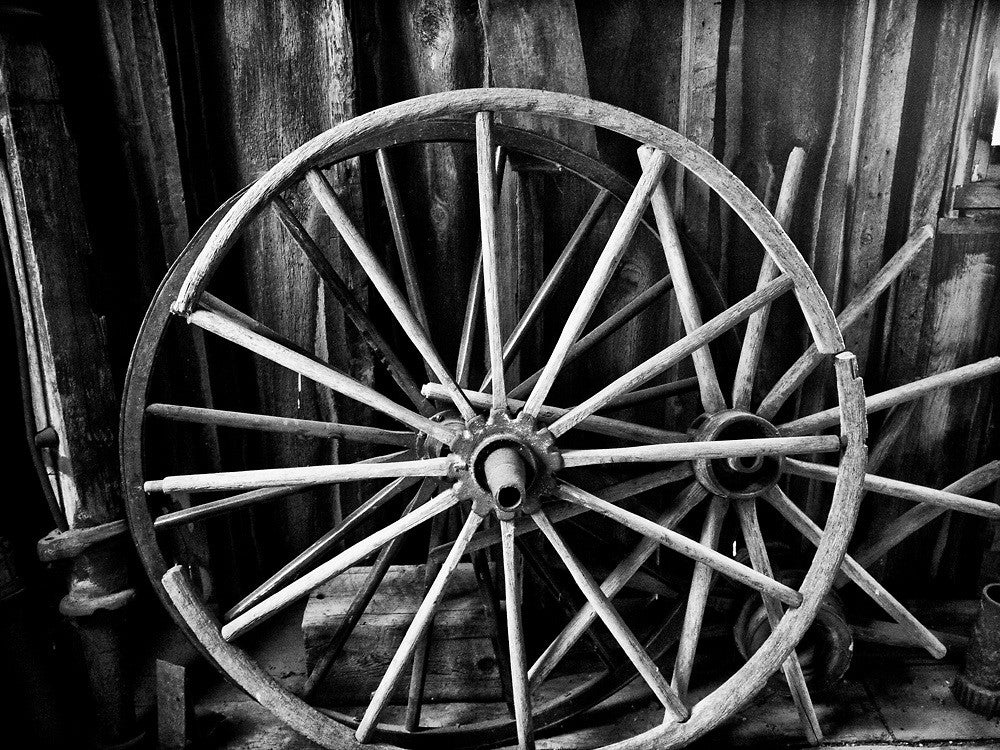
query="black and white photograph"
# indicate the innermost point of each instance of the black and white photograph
(515, 374)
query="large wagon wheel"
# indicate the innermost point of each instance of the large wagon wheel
(508, 459)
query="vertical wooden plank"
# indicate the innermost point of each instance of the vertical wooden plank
(47, 231)
(145, 114)
(538, 45)
(851, 230)
(951, 41)
(74, 394)
(700, 29)
(948, 47)
(870, 177)
(949, 433)
(963, 166)
(157, 222)
(417, 47)
(286, 74)
(632, 53)
(789, 54)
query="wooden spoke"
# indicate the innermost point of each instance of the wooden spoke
(213, 303)
(605, 266)
(401, 234)
(687, 302)
(779, 446)
(798, 372)
(701, 583)
(475, 293)
(895, 396)
(551, 281)
(297, 475)
(916, 518)
(682, 544)
(853, 569)
(600, 425)
(629, 643)
(614, 583)
(753, 340)
(515, 637)
(225, 505)
(613, 494)
(642, 395)
(897, 488)
(362, 598)
(386, 287)
(335, 566)
(469, 323)
(315, 551)
(418, 670)
(352, 307)
(491, 259)
(420, 622)
(754, 539)
(267, 423)
(613, 322)
(319, 372)
(673, 354)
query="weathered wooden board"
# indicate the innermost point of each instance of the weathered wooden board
(949, 432)
(872, 159)
(461, 663)
(948, 49)
(415, 47)
(790, 49)
(286, 74)
(47, 230)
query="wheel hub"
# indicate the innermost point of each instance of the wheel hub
(506, 464)
(736, 478)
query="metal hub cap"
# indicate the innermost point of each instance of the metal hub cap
(504, 464)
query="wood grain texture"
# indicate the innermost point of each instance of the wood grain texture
(871, 171)
(274, 96)
(456, 669)
(409, 48)
(698, 81)
(948, 436)
(816, 309)
(43, 213)
(943, 41)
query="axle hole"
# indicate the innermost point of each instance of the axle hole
(509, 498)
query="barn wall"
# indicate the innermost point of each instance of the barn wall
(192, 100)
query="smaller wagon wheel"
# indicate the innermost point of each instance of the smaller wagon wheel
(900, 402)
(511, 460)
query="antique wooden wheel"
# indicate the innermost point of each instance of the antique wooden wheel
(899, 405)
(508, 466)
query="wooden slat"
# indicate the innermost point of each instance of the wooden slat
(700, 29)
(947, 55)
(282, 291)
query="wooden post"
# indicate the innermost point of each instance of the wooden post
(73, 392)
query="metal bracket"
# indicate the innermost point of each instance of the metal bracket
(63, 545)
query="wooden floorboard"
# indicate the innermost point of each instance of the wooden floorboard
(891, 698)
